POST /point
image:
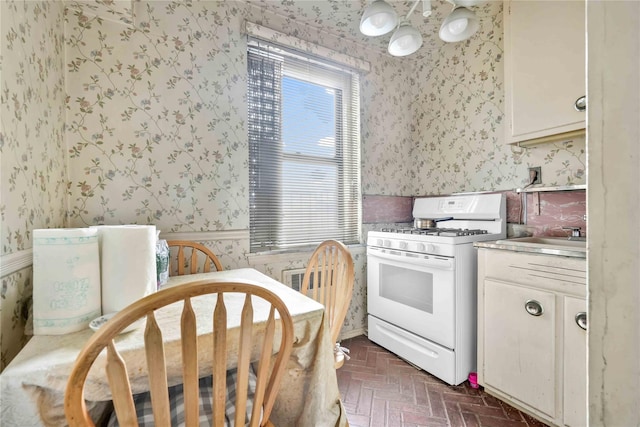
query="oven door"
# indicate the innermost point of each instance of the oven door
(415, 292)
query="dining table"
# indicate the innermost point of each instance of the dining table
(32, 386)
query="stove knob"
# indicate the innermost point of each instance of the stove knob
(387, 243)
(403, 245)
(430, 248)
(379, 242)
(421, 247)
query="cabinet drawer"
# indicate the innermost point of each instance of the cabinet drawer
(568, 275)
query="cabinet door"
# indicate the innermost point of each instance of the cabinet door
(520, 348)
(544, 67)
(575, 362)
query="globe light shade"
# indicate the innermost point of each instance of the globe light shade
(378, 18)
(459, 25)
(405, 41)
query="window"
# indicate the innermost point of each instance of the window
(304, 145)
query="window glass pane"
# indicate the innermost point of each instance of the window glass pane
(309, 199)
(309, 118)
(304, 153)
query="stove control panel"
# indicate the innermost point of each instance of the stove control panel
(425, 247)
(408, 245)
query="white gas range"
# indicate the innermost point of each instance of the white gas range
(421, 299)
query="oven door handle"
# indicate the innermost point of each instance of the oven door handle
(412, 258)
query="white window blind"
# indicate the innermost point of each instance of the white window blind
(304, 149)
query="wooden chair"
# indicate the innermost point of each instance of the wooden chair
(179, 260)
(329, 279)
(267, 378)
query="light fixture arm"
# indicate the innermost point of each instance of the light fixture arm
(426, 8)
(415, 4)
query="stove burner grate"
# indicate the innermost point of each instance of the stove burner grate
(449, 232)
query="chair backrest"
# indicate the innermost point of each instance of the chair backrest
(187, 257)
(267, 376)
(328, 279)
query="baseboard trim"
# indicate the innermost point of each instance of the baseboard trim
(352, 333)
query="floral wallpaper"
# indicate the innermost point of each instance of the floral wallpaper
(156, 123)
(156, 115)
(32, 165)
(137, 109)
(459, 114)
(33, 117)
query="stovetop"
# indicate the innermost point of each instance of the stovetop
(473, 218)
(429, 240)
(435, 231)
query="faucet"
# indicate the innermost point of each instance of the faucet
(575, 233)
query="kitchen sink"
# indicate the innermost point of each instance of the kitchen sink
(546, 245)
(553, 241)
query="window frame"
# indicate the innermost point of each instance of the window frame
(346, 159)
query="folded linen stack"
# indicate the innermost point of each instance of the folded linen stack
(128, 264)
(79, 273)
(66, 280)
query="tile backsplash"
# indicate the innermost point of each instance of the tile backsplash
(546, 212)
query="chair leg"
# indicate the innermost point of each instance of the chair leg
(339, 360)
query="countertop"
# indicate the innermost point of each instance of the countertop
(555, 247)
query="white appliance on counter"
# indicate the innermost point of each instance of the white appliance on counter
(421, 283)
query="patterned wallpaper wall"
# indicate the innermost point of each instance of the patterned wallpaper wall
(33, 115)
(459, 120)
(157, 113)
(155, 120)
(33, 180)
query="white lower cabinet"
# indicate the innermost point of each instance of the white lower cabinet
(575, 362)
(519, 347)
(531, 347)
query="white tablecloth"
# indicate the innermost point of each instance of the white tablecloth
(32, 386)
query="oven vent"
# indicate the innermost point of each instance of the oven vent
(293, 278)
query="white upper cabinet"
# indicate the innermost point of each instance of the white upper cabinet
(544, 44)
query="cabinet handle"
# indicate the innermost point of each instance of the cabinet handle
(533, 307)
(581, 320)
(581, 104)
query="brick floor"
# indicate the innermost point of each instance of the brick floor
(380, 389)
